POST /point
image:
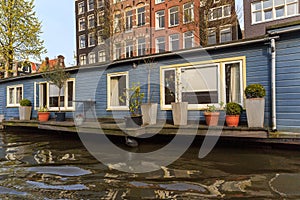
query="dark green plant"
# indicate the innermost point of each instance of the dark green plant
(134, 96)
(255, 91)
(25, 102)
(233, 108)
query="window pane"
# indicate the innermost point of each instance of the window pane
(233, 80)
(268, 14)
(53, 96)
(117, 87)
(268, 3)
(257, 17)
(70, 93)
(169, 86)
(11, 95)
(256, 6)
(279, 12)
(292, 9)
(19, 95)
(279, 2)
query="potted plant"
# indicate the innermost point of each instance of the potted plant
(255, 105)
(149, 109)
(134, 97)
(58, 77)
(25, 109)
(233, 112)
(212, 114)
(179, 109)
(43, 114)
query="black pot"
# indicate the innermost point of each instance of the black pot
(60, 116)
(133, 121)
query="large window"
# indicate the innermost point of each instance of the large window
(117, 51)
(225, 34)
(117, 23)
(203, 84)
(82, 24)
(160, 19)
(81, 8)
(129, 49)
(268, 10)
(174, 42)
(82, 43)
(160, 45)
(92, 58)
(47, 95)
(211, 36)
(91, 5)
(101, 56)
(220, 12)
(141, 16)
(117, 83)
(92, 39)
(91, 21)
(128, 22)
(188, 12)
(174, 16)
(141, 45)
(14, 95)
(188, 39)
(82, 59)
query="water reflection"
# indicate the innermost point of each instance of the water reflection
(54, 166)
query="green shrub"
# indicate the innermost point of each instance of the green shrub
(25, 102)
(233, 108)
(255, 91)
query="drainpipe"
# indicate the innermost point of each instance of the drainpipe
(273, 80)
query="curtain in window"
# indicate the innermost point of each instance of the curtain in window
(114, 97)
(234, 86)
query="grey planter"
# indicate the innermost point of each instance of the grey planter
(255, 110)
(149, 112)
(179, 112)
(24, 112)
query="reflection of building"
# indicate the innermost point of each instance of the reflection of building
(259, 15)
(137, 28)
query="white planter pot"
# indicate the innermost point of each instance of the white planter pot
(179, 112)
(255, 110)
(149, 112)
(24, 112)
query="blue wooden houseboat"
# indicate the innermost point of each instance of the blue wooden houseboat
(200, 76)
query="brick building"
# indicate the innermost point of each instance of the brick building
(117, 29)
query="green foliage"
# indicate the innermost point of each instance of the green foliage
(43, 109)
(25, 102)
(213, 108)
(135, 97)
(20, 32)
(233, 108)
(255, 91)
(57, 76)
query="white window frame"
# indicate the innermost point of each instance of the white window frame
(99, 17)
(159, 1)
(91, 39)
(82, 59)
(141, 16)
(81, 8)
(66, 107)
(226, 29)
(128, 20)
(128, 49)
(223, 16)
(185, 37)
(92, 58)
(109, 76)
(117, 51)
(172, 39)
(89, 3)
(221, 82)
(15, 103)
(91, 21)
(212, 32)
(101, 56)
(158, 42)
(141, 46)
(117, 22)
(82, 42)
(159, 18)
(100, 37)
(273, 9)
(100, 3)
(81, 24)
(173, 13)
(188, 12)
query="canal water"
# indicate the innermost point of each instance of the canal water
(57, 166)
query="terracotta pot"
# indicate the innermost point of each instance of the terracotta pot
(43, 116)
(212, 118)
(232, 120)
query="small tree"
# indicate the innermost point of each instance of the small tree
(57, 76)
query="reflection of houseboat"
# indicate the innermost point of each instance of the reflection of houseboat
(211, 75)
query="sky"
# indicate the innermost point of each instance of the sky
(58, 27)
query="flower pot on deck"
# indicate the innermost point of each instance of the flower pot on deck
(149, 112)
(180, 113)
(24, 112)
(232, 120)
(60, 116)
(255, 110)
(211, 118)
(43, 116)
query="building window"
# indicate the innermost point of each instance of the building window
(129, 49)
(188, 12)
(188, 40)
(82, 24)
(128, 24)
(100, 3)
(173, 16)
(14, 95)
(81, 8)
(273, 9)
(100, 37)
(82, 59)
(91, 21)
(91, 40)
(117, 84)
(141, 16)
(100, 18)
(211, 36)
(48, 95)
(90, 5)
(160, 19)
(174, 42)
(82, 42)
(220, 12)
(160, 45)
(92, 58)
(201, 84)
(101, 56)
(117, 23)
(225, 34)
(141, 45)
(159, 1)
(118, 51)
